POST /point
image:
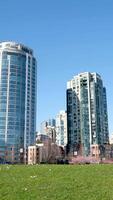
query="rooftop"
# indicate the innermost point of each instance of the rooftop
(10, 45)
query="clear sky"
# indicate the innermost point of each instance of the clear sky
(68, 37)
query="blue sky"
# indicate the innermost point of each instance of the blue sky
(68, 37)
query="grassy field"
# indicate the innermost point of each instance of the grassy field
(56, 182)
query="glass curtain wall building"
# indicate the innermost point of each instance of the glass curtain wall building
(87, 118)
(18, 76)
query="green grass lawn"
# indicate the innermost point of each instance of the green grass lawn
(56, 182)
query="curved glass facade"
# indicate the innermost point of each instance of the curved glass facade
(17, 100)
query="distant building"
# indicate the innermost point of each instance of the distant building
(47, 152)
(111, 139)
(35, 154)
(49, 128)
(43, 127)
(61, 128)
(95, 151)
(51, 132)
(87, 117)
(42, 138)
(50, 122)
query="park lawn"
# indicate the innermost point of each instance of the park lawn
(56, 182)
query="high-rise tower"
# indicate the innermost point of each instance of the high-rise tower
(18, 76)
(87, 119)
(61, 128)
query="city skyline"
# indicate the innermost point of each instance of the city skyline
(68, 38)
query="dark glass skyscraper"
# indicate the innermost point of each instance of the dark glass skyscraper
(18, 71)
(87, 118)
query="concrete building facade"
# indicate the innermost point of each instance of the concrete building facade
(61, 128)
